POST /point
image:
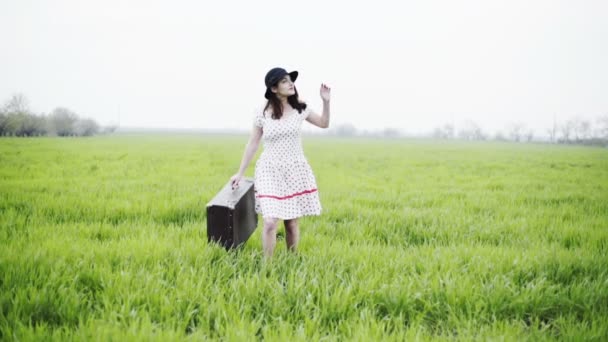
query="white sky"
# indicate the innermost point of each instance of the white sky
(411, 65)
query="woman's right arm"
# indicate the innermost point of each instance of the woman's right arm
(250, 150)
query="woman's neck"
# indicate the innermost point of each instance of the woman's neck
(284, 102)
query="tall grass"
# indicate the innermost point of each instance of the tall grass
(105, 239)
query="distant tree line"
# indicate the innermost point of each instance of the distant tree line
(16, 119)
(573, 131)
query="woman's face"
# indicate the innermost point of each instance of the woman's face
(284, 88)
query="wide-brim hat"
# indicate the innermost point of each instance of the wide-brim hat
(274, 75)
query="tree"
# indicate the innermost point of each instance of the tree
(27, 125)
(390, 132)
(516, 131)
(109, 129)
(18, 103)
(602, 123)
(3, 122)
(438, 133)
(499, 136)
(471, 131)
(346, 129)
(62, 121)
(86, 127)
(39, 124)
(11, 124)
(15, 118)
(566, 130)
(553, 131)
(582, 129)
(444, 132)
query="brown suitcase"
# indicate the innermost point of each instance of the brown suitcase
(231, 216)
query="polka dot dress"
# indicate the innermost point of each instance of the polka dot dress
(284, 184)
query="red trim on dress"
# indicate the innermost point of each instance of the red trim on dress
(289, 196)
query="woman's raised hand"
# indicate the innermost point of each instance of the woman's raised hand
(325, 92)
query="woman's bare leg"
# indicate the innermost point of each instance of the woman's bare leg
(269, 235)
(292, 234)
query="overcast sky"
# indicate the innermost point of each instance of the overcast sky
(411, 65)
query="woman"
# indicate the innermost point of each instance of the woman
(285, 186)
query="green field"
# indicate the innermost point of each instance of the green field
(104, 238)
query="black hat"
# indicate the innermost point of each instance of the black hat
(274, 75)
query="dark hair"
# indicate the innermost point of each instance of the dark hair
(277, 106)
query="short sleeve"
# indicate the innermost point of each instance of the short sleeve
(258, 119)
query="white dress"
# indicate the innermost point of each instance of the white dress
(284, 184)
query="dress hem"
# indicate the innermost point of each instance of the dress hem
(305, 192)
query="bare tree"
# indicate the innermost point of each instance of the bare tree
(516, 131)
(444, 132)
(471, 131)
(582, 129)
(553, 131)
(450, 131)
(566, 130)
(18, 103)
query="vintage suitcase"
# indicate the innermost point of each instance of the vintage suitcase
(231, 216)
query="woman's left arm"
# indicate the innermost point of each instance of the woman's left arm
(321, 121)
